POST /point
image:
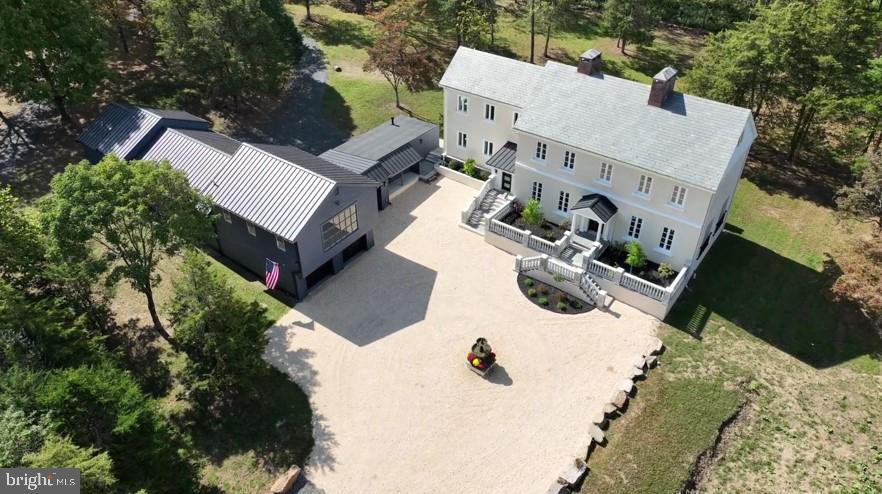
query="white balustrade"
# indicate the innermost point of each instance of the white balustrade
(507, 231)
(602, 270)
(644, 287)
(540, 245)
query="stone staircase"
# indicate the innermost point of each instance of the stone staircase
(493, 200)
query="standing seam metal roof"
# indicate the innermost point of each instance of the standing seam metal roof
(504, 159)
(385, 138)
(121, 127)
(188, 151)
(599, 203)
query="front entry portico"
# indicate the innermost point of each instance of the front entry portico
(593, 219)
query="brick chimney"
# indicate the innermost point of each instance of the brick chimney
(590, 62)
(662, 86)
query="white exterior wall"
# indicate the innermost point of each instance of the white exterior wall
(655, 209)
(499, 131)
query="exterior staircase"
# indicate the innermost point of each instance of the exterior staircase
(492, 201)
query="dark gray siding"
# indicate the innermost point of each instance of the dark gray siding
(312, 254)
(235, 242)
(426, 143)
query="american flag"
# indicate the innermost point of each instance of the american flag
(272, 274)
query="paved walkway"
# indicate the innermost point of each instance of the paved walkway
(380, 348)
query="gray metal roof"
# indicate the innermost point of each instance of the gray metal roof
(399, 160)
(385, 138)
(121, 127)
(491, 76)
(190, 152)
(355, 163)
(689, 139)
(214, 140)
(270, 191)
(317, 165)
(599, 203)
(504, 159)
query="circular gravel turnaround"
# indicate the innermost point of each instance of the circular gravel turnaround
(536, 291)
(380, 348)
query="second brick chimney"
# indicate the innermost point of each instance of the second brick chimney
(662, 86)
(590, 62)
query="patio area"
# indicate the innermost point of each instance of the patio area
(380, 348)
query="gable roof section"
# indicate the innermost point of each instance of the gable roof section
(385, 138)
(271, 192)
(120, 128)
(201, 154)
(690, 139)
(599, 203)
(491, 76)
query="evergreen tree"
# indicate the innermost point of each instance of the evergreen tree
(630, 21)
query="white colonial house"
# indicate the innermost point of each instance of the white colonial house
(619, 160)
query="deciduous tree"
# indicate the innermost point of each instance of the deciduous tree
(136, 211)
(51, 51)
(21, 249)
(401, 59)
(864, 198)
(630, 21)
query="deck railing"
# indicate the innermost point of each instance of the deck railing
(644, 287)
(560, 272)
(508, 231)
(541, 245)
(602, 270)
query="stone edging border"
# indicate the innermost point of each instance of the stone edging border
(573, 475)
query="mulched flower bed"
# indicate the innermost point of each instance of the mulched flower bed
(548, 231)
(457, 167)
(616, 258)
(536, 290)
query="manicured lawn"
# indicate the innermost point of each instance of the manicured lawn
(758, 323)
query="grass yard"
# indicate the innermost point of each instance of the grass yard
(758, 322)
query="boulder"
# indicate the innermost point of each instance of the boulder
(596, 433)
(338, 68)
(619, 399)
(651, 361)
(284, 483)
(558, 488)
(609, 408)
(598, 418)
(626, 385)
(573, 474)
(655, 347)
(637, 372)
(639, 362)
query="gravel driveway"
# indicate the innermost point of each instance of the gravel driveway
(380, 348)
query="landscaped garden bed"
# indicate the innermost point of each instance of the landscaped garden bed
(470, 169)
(616, 254)
(551, 298)
(547, 230)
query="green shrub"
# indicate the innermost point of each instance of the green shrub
(454, 165)
(529, 282)
(470, 168)
(543, 301)
(561, 305)
(531, 292)
(666, 271)
(636, 257)
(575, 304)
(532, 213)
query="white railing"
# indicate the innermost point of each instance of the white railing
(528, 264)
(602, 270)
(476, 201)
(569, 273)
(676, 288)
(540, 245)
(593, 289)
(644, 287)
(563, 242)
(508, 231)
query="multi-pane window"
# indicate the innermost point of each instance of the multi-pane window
(563, 202)
(635, 226)
(536, 193)
(605, 172)
(251, 230)
(645, 185)
(227, 217)
(678, 196)
(514, 119)
(463, 104)
(667, 238)
(488, 148)
(541, 150)
(339, 227)
(489, 112)
(462, 139)
(569, 160)
(280, 244)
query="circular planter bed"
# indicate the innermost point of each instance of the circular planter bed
(550, 298)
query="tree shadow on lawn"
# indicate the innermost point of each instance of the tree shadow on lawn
(275, 422)
(778, 300)
(335, 32)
